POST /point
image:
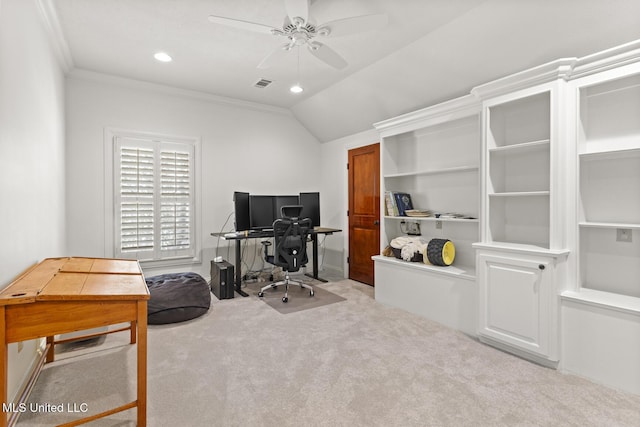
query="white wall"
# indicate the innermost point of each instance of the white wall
(334, 200)
(32, 192)
(245, 147)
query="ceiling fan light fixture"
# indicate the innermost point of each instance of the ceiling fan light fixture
(162, 57)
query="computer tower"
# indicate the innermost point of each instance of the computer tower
(222, 279)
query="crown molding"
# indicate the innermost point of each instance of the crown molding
(457, 108)
(93, 76)
(558, 69)
(56, 35)
(615, 57)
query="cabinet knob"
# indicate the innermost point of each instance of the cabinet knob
(376, 222)
(541, 266)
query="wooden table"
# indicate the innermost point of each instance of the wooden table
(62, 295)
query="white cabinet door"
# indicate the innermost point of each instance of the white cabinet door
(516, 301)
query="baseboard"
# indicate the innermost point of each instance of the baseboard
(331, 271)
(25, 389)
(523, 354)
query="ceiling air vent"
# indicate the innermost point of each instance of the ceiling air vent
(262, 83)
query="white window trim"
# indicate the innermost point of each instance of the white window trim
(110, 136)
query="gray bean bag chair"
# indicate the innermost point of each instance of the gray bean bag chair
(177, 297)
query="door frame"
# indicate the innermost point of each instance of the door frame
(361, 139)
(364, 139)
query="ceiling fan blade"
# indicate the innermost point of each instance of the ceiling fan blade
(275, 56)
(244, 25)
(356, 24)
(327, 55)
(297, 9)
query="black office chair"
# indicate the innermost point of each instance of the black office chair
(290, 238)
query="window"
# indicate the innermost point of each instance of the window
(154, 197)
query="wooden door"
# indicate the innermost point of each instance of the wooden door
(364, 211)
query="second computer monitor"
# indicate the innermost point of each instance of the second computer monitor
(281, 201)
(241, 209)
(311, 209)
(261, 210)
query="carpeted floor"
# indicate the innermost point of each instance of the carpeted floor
(353, 363)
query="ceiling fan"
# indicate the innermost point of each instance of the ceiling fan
(299, 31)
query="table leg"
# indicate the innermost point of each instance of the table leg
(142, 363)
(133, 329)
(51, 349)
(238, 268)
(314, 248)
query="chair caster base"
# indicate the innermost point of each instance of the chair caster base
(285, 299)
(260, 294)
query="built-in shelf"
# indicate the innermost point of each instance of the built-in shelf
(432, 172)
(463, 272)
(524, 146)
(555, 270)
(520, 194)
(609, 300)
(519, 244)
(431, 218)
(520, 168)
(609, 191)
(433, 155)
(524, 248)
(608, 154)
(588, 224)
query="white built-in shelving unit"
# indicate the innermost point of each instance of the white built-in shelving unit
(522, 251)
(434, 155)
(518, 162)
(601, 310)
(608, 145)
(545, 164)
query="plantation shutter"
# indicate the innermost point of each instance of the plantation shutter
(154, 199)
(136, 193)
(175, 177)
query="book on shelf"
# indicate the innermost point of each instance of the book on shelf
(390, 203)
(403, 202)
(398, 203)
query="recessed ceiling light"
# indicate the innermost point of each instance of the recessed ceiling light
(296, 88)
(163, 57)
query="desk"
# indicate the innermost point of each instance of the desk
(62, 295)
(241, 235)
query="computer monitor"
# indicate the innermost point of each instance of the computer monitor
(241, 209)
(261, 210)
(281, 201)
(311, 210)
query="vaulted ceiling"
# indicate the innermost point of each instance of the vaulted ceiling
(429, 51)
